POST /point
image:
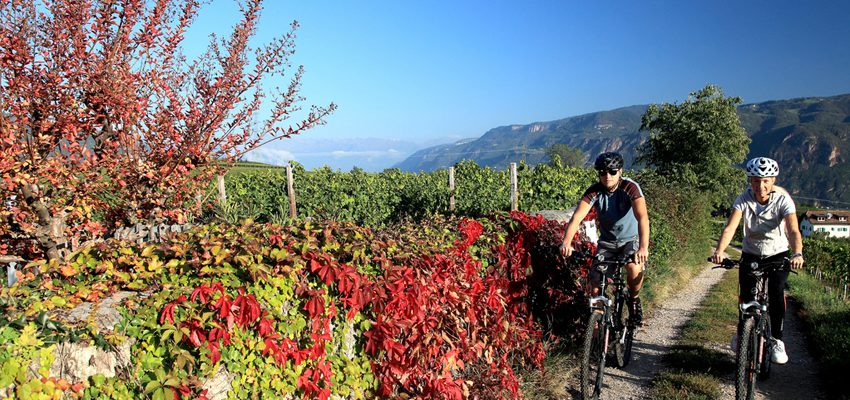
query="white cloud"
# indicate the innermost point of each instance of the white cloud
(271, 156)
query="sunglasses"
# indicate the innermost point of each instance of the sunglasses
(611, 172)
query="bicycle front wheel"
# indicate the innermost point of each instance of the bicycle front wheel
(593, 357)
(746, 361)
(767, 348)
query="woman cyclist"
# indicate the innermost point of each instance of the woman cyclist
(770, 226)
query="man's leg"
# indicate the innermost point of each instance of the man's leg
(634, 277)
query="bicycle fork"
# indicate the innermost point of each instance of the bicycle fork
(619, 326)
(606, 319)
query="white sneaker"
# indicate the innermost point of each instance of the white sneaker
(778, 356)
(734, 344)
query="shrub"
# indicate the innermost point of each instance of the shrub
(437, 310)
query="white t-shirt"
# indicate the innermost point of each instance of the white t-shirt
(764, 225)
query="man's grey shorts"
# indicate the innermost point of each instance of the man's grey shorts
(610, 250)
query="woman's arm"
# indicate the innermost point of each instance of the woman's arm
(726, 236)
(795, 239)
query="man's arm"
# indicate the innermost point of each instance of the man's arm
(583, 208)
(795, 239)
(642, 216)
(726, 236)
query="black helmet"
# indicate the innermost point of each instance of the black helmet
(610, 160)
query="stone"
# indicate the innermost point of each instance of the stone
(556, 215)
(218, 386)
(77, 362)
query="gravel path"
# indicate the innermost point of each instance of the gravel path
(794, 380)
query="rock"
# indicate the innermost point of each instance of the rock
(8, 392)
(76, 362)
(556, 215)
(106, 314)
(218, 386)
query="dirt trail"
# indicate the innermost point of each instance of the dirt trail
(795, 380)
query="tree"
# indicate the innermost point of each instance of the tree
(104, 122)
(697, 143)
(569, 157)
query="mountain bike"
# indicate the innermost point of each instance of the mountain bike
(754, 331)
(608, 319)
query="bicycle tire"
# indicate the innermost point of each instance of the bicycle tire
(746, 358)
(593, 357)
(768, 349)
(623, 351)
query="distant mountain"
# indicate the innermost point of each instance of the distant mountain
(807, 136)
(368, 154)
(615, 130)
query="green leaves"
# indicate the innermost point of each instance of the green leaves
(392, 196)
(697, 143)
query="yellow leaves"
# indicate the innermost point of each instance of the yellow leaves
(172, 264)
(148, 250)
(115, 339)
(29, 337)
(47, 283)
(154, 265)
(46, 358)
(68, 270)
(105, 266)
(58, 301)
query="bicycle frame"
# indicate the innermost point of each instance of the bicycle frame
(602, 302)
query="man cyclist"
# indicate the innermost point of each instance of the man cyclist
(623, 224)
(768, 213)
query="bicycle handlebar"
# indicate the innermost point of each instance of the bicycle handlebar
(599, 258)
(782, 265)
(727, 263)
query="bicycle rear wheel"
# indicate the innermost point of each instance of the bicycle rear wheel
(593, 356)
(746, 360)
(623, 333)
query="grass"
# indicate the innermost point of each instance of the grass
(695, 369)
(827, 319)
(561, 368)
(685, 386)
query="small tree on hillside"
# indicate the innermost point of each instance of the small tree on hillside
(569, 157)
(696, 143)
(104, 123)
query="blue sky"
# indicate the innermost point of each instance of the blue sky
(421, 70)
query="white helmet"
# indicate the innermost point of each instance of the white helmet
(762, 167)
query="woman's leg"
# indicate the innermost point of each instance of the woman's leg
(776, 295)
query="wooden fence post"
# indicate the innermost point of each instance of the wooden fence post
(222, 195)
(290, 191)
(513, 187)
(452, 189)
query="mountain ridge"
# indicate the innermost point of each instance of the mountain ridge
(808, 136)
